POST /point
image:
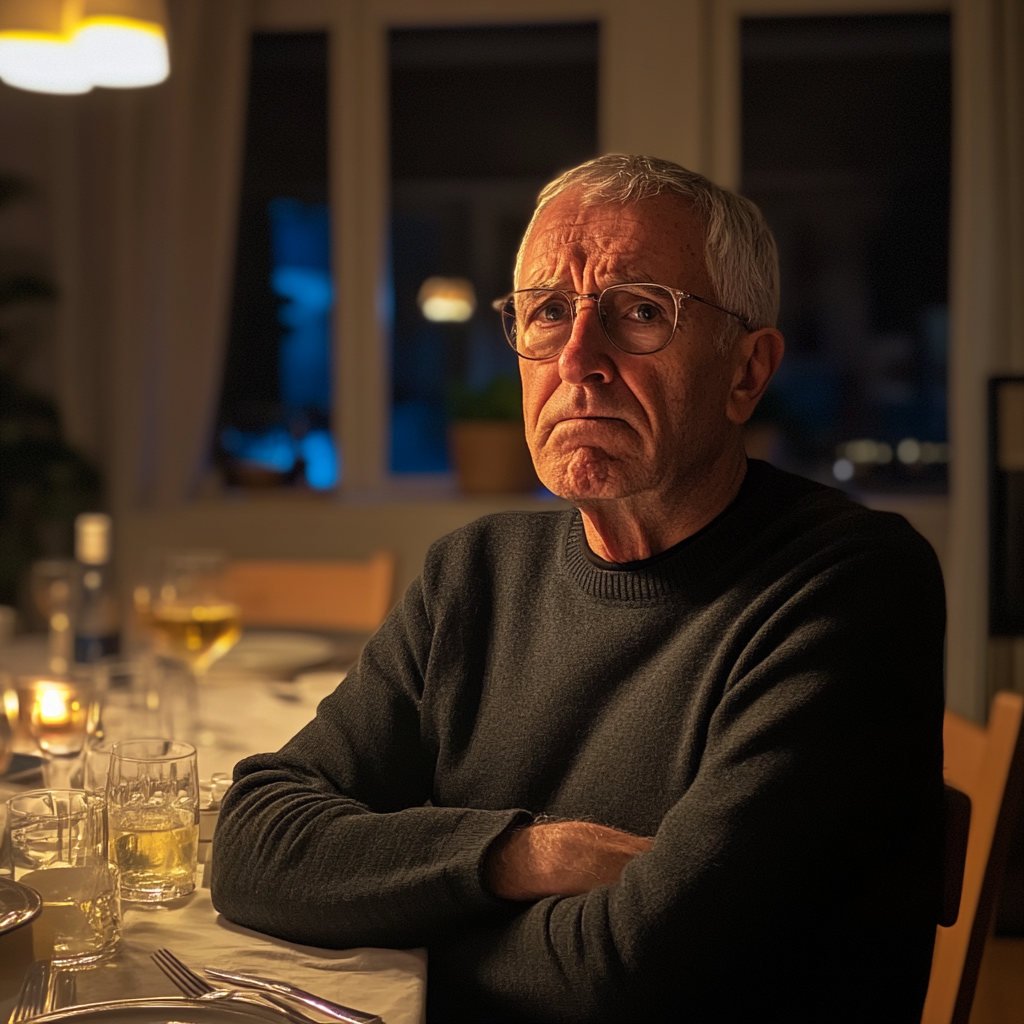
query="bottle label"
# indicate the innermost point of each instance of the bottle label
(90, 649)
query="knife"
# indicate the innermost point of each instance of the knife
(325, 1006)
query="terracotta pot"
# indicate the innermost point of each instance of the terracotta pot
(491, 457)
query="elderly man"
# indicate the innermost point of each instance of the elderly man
(674, 754)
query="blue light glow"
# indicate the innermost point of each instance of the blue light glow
(301, 275)
(275, 449)
(317, 449)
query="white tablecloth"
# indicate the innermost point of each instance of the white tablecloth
(237, 719)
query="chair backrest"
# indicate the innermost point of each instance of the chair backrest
(988, 766)
(341, 595)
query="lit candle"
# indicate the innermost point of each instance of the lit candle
(54, 709)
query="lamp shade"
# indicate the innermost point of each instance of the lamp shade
(36, 51)
(123, 43)
(68, 46)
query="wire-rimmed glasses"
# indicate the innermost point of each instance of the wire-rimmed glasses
(638, 318)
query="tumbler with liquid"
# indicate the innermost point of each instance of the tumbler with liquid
(153, 808)
(57, 844)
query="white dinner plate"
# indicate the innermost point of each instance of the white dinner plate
(273, 654)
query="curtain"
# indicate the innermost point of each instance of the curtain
(987, 313)
(145, 199)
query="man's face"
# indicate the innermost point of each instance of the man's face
(604, 424)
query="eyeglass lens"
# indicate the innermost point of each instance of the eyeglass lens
(636, 318)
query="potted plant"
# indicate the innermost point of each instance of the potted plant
(44, 482)
(487, 438)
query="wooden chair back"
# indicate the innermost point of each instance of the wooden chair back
(338, 595)
(988, 766)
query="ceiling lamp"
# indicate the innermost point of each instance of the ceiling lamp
(446, 299)
(69, 46)
(35, 51)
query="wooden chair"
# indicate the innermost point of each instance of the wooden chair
(338, 595)
(988, 766)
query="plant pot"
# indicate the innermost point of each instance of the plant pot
(491, 457)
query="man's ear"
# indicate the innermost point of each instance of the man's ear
(755, 360)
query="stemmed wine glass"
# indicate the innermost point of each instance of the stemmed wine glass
(60, 714)
(188, 614)
(54, 585)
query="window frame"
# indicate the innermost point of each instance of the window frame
(695, 56)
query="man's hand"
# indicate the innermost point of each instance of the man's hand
(564, 858)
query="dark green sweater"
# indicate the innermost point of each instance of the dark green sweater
(765, 699)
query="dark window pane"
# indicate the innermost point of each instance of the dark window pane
(846, 149)
(276, 395)
(474, 136)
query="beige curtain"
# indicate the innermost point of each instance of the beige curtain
(144, 196)
(987, 312)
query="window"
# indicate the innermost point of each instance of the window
(275, 411)
(474, 136)
(846, 148)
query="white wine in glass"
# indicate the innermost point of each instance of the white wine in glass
(188, 615)
(197, 634)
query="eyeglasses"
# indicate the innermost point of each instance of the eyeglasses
(637, 318)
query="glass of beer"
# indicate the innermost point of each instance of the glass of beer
(153, 810)
(57, 844)
(186, 611)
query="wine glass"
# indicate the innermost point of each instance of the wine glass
(54, 586)
(190, 618)
(59, 714)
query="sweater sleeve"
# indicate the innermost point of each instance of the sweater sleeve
(806, 847)
(330, 841)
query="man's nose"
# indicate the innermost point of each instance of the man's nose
(586, 358)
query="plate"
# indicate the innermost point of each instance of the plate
(165, 1010)
(274, 654)
(18, 905)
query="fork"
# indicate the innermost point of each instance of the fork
(192, 985)
(43, 989)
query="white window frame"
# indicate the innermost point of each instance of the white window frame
(669, 84)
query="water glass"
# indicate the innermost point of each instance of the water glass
(97, 766)
(153, 806)
(56, 842)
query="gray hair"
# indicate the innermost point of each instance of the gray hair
(739, 251)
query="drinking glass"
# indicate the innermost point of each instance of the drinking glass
(97, 766)
(59, 714)
(187, 611)
(153, 808)
(54, 586)
(57, 844)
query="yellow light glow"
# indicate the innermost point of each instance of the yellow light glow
(122, 53)
(69, 46)
(41, 62)
(10, 705)
(53, 710)
(447, 299)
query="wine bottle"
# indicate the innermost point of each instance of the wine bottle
(98, 625)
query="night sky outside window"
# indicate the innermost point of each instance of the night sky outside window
(276, 398)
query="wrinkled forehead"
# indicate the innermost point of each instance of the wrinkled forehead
(646, 239)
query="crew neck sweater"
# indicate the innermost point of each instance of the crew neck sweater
(765, 701)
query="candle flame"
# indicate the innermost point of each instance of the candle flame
(53, 708)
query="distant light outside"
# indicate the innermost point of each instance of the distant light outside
(447, 299)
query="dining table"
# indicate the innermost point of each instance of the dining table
(236, 717)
